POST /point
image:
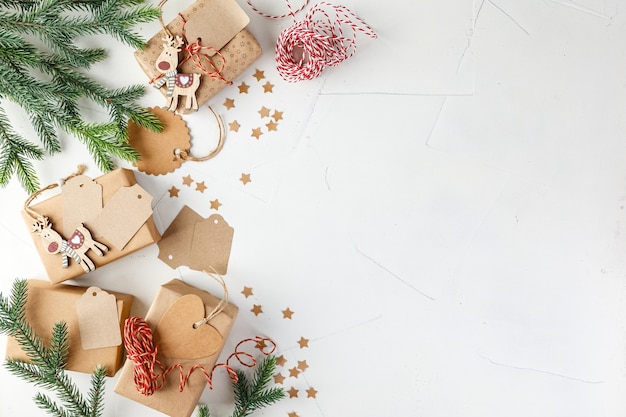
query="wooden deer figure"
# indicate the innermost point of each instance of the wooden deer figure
(76, 247)
(177, 84)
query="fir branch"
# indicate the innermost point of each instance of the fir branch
(46, 366)
(50, 99)
(253, 395)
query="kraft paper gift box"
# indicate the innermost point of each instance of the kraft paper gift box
(219, 24)
(169, 399)
(52, 208)
(48, 304)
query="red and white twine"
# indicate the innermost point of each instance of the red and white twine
(326, 37)
(149, 373)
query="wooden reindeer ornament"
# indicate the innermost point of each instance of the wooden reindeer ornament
(177, 84)
(75, 247)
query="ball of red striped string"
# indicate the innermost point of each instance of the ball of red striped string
(326, 37)
(141, 349)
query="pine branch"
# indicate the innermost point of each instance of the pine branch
(253, 395)
(50, 98)
(46, 366)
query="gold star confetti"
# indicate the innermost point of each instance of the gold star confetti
(278, 379)
(294, 372)
(303, 342)
(259, 75)
(187, 180)
(267, 87)
(293, 392)
(256, 309)
(234, 126)
(292, 414)
(287, 313)
(229, 103)
(277, 115)
(311, 392)
(215, 204)
(256, 132)
(243, 88)
(245, 178)
(200, 186)
(264, 112)
(271, 125)
(302, 365)
(173, 191)
(281, 360)
(247, 291)
(260, 344)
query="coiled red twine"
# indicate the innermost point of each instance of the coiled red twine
(326, 37)
(149, 373)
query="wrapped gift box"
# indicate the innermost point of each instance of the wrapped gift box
(111, 183)
(48, 304)
(169, 399)
(219, 24)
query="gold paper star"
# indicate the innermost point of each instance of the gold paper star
(287, 313)
(234, 126)
(200, 186)
(256, 309)
(247, 291)
(292, 414)
(245, 178)
(229, 103)
(293, 392)
(260, 344)
(277, 115)
(173, 191)
(259, 75)
(278, 379)
(302, 365)
(215, 204)
(281, 360)
(311, 392)
(243, 88)
(256, 132)
(264, 112)
(187, 180)
(294, 372)
(271, 125)
(303, 342)
(267, 87)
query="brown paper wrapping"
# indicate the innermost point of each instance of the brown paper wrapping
(48, 304)
(240, 52)
(169, 399)
(110, 182)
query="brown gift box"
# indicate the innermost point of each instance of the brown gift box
(169, 399)
(220, 24)
(111, 183)
(48, 304)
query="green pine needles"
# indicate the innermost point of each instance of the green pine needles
(48, 362)
(47, 80)
(252, 395)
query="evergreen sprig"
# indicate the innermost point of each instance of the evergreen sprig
(47, 81)
(47, 363)
(255, 394)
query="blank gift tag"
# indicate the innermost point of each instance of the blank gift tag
(98, 319)
(211, 244)
(176, 336)
(122, 216)
(175, 245)
(81, 200)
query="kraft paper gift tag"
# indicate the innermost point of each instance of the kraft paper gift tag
(199, 243)
(48, 304)
(98, 319)
(168, 310)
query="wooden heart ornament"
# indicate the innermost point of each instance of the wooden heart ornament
(176, 336)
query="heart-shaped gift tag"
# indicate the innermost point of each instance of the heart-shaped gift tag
(176, 336)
